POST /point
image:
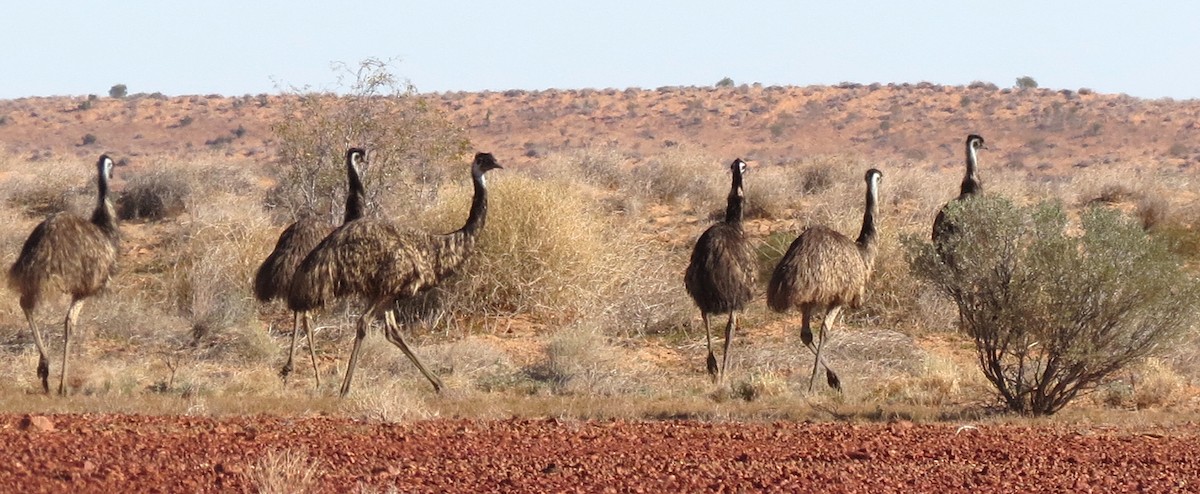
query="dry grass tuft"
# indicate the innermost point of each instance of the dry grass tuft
(679, 175)
(1158, 385)
(581, 361)
(284, 471)
(153, 196)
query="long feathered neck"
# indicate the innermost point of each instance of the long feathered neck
(104, 216)
(867, 235)
(733, 204)
(970, 182)
(450, 250)
(356, 195)
(479, 205)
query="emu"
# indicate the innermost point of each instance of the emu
(274, 276)
(67, 254)
(970, 187)
(380, 262)
(721, 274)
(825, 270)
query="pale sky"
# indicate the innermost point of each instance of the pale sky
(58, 47)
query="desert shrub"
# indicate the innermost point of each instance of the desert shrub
(1055, 309)
(770, 192)
(208, 278)
(118, 91)
(600, 166)
(680, 173)
(1157, 385)
(410, 143)
(154, 196)
(546, 251)
(1026, 82)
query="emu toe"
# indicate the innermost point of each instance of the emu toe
(285, 371)
(806, 336)
(833, 380)
(43, 372)
(712, 365)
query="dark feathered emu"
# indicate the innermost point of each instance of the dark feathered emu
(824, 270)
(67, 254)
(274, 276)
(380, 262)
(721, 274)
(970, 187)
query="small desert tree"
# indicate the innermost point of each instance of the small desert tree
(1054, 307)
(410, 143)
(117, 91)
(1026, 82)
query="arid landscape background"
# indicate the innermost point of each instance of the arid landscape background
(574, 306)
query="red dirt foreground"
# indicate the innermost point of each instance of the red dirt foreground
(120, 453)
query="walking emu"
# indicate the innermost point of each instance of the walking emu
(970, 187)
(67, 254)
(722, 271)
(824, 270)
(274, 276)
(380, 262)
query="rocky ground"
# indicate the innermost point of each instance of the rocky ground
(121, 453)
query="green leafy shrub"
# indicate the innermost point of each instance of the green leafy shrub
(1055, 308)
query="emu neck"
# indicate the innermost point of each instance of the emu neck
(104, 216)
(451, 250)
(867, 235)
(479, 207)
(355, 197)
(970, 183)
(733, 204)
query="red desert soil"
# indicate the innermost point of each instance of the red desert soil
(120, 453)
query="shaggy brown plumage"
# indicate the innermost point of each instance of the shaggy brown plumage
(970, 187)
(824, 270)
(67, 254)
(721, 274)
(381, 263)
(274, 276)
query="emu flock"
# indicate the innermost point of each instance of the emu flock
(381, 263)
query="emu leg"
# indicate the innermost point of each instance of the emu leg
(68, 328)
(826, 327)
(287, 368)
(712, 359)
(806, 336)
(312, 352)
(393, 335)
(363, 321)
(43, 367)
(729, 328)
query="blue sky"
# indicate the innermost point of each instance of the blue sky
(55, 47)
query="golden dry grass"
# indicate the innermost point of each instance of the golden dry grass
(571, 307)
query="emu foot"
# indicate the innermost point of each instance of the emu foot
(833, 380)
(43, 372)
(712, 366)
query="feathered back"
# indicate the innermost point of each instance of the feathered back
(275, 274)
(67, 253)
(823, 268)
(375, 258)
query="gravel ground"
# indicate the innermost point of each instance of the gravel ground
(123, 453)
